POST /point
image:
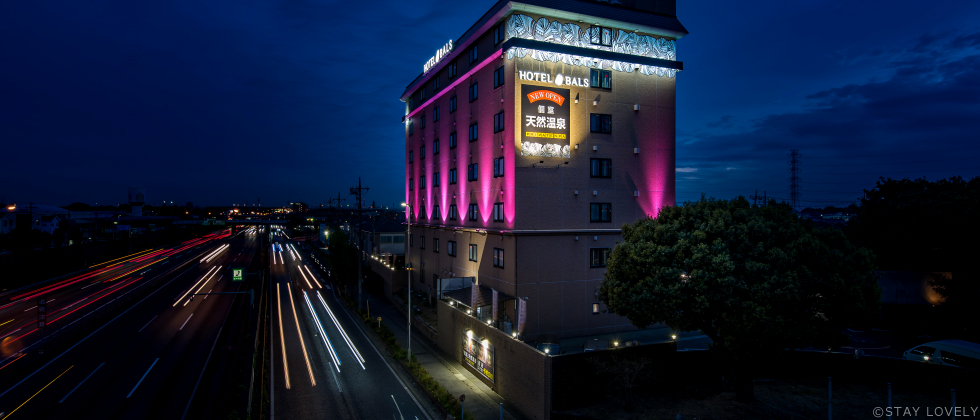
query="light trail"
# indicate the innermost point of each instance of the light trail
(357, 354)
(214, 253)
(117, 259)
(282, 337)
(38, 392)
(312, 276)
(205, 284)
(323, 334)
(192, 287)
(299, 332)
(305, 279)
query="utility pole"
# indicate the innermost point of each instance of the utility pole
(794, 178)
(360, 254)
(408, 267)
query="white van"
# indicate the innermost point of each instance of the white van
(957, 353)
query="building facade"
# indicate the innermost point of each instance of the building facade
(530, 141)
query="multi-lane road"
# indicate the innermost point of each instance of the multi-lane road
(325, 366)
(147, 361)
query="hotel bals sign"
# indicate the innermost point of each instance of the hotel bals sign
(545, 121)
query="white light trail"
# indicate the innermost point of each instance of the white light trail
(205, 284)
(195, 285)
(306, 356)
(305, 279)
(214, 253)
(357, 354)
(282, 337)
(323, 334)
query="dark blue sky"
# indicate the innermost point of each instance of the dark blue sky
(225, 101)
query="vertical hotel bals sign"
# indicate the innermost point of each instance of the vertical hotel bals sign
(545, 125)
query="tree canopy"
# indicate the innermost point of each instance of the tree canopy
(755, 279)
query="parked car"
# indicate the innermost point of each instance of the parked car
(957, 353)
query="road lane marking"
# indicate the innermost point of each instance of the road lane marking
(335, 378)
(38, 392)
(299, 332)
(209, 292)
(185, 322)
(323, 334)
(93, 284)
(148, 323)
(144, 377)
(282, 336)
(397, 408)
(82, 382)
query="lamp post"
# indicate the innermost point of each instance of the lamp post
(408, 264)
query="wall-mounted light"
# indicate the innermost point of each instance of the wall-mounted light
(595, 148)
(595, 102)
(595, 238)
(636, 107)
(576, 147)
(576, 192)
(636, 193)
(576, 98)
(576, 238)
(636, 150)
(595, 192)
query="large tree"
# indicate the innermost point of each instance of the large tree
(754, 279)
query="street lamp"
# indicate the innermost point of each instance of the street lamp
(408, 267)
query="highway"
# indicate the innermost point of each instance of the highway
(145, 363)
(324, 364)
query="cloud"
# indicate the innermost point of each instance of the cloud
(725, 121)
(686, 170)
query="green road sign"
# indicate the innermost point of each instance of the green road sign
(237, 274)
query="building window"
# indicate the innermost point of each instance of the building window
(474, 91)
(421, 242)
(498, 77)
(598, 257)
(601, 168)
(600, 36)
(498, 34)
(472, 252)
(601, 78)
(411, 104)
(498, 122)
(423, 94)
(452, 69)
(422, 122)
(473, 213)
(435, 179)
(600, 212)
(601, 123)
(411, 156)
(435, 212)
(472, 173)
(453, 212)
(451, 248)
(498, 167)
(498, 257)
(411, 127)
(435, 244)
(435, 83)
(473, 132)
(435, 114)
(498, 212)
(435, 147)
(452, 140)
(423, 215)
(474, 54)
(452, 104)
(595, 308)
(422, 152)
(452, 176)
(422, 182)
(411, 184)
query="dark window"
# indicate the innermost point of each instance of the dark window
(960, 360)
(473, 132)
(498, 257)
(473, 213)
(601, 168)
(435, 179)
(498, 77)
(472, 172)
(422, 182)
(498, 167)
(451, 248)
(601, 123)
(422, 241)
(423, 94)
(452, 70)
(435, 83)
(435, 147)
(435, 212)
(498, 122)
(599, 35)
(453, 212)
(435, 244)
(423, 215)
(474, 92)
(600, 212)
(452, 104)
(472, 252)
(598, 257)
(422, 152)
(411, 127)
(452, 140)
(474, 54)
(922, 351)
(499, 33)
(498, 212)
(422, 122)
(435, 114)
(452, 176)
(411, 104)
(600, 79)
(411, 156)
(411, 184)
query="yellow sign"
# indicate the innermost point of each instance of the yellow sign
(545, 135)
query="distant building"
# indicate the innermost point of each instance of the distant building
(300, 207)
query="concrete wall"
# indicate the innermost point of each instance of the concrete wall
(522, 375)
(394, 280)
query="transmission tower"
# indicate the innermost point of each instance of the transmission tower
(795, 182)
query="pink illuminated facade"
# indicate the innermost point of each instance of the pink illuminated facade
(530, 144)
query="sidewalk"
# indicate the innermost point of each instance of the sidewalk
(482, 401)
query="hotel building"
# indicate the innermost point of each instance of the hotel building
(529, 141)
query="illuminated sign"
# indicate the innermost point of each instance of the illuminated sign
(440, 53)
(236, 274)
(559, 80)
(545, 126)
(479, 356)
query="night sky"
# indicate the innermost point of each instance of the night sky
(226, 101)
